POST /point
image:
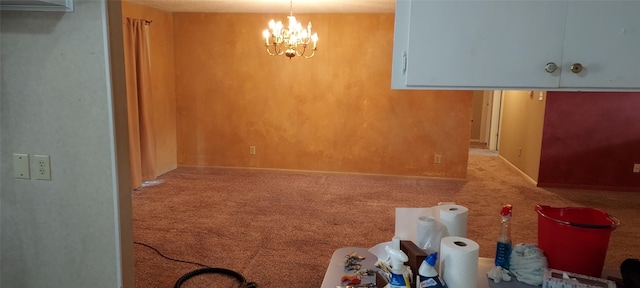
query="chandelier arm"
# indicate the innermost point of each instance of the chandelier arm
(276, 50)
(269, 52)
(313, 53)
(305, 42)
(304, 50)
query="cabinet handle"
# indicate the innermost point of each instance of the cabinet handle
(550, 67)
(404, 62)
(576, 68)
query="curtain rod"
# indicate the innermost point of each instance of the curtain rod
(145, 20)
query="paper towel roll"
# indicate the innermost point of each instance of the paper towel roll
(454, 217)
(459, 262)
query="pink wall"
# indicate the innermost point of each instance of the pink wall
(591, 141)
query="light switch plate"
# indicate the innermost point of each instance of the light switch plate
(21, 166)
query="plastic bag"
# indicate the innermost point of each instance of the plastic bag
(430, 232)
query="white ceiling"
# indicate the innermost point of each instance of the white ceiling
(273, 6)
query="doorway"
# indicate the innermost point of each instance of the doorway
(485, 119)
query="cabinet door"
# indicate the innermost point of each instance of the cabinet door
(484, 44)
(604, 37)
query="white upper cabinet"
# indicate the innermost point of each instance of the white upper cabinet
(37, 5)
(604, 37)
(516, 44)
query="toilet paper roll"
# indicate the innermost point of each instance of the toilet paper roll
(454, 217)
(459, 262)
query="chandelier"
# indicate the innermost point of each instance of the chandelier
(291, 41)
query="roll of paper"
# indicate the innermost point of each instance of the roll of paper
(459, 262)
(454, 217)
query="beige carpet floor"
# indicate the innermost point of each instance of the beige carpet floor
(280, 228)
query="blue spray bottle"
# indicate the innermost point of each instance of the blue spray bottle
(503, 247)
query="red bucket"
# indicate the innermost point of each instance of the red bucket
(575, 239)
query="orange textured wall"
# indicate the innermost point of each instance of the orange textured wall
(335, 112)
(163, 80)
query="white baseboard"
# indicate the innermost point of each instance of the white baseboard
(527, 177)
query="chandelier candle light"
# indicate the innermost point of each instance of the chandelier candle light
(291, 41)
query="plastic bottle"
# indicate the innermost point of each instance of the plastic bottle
(398, 278)
(427, 275)
(503, 247)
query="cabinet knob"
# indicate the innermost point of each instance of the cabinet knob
(576, 68)
(550, 67)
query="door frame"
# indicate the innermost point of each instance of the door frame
(496, 118)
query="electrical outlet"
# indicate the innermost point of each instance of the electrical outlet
(636, 168)
(437, 158)
(252, 150)
(43, 164)
(519, 151)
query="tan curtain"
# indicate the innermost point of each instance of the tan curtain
(142, 143)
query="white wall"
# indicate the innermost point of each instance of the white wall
(56, 99)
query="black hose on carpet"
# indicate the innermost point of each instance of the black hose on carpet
(206, 270)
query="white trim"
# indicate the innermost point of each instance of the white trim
(325, 172)
(527, 177)
(112, 138)
(496, 111)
